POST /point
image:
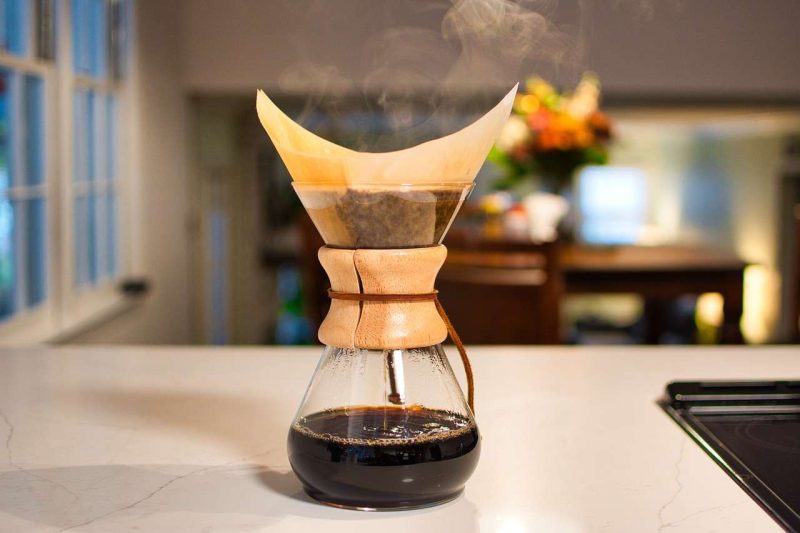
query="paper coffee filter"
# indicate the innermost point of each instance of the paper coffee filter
(453, 159)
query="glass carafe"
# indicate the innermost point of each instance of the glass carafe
(384, 423)
(384, 429)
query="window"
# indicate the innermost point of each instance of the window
(95, 138)
(62, 78)
(24, 195)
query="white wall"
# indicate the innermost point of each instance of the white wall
(664, 47)
(728, 47)
(160, 194)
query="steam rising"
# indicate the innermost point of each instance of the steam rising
(496, 36)
(419, 77)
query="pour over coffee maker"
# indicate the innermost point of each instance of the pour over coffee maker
(384, 423)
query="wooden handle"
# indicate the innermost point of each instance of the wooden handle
(382, 325)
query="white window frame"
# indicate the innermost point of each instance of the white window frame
(37, 322)
(68, 309)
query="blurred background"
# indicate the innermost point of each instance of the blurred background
(646, 189)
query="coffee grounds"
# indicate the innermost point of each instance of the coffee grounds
(382, 219)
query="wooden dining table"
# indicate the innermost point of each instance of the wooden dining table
(659, 274)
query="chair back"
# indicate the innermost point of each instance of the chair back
(502, 292)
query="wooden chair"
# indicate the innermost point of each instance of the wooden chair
(501, 292)
(795, 312)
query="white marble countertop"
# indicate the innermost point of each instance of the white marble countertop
(194, 439)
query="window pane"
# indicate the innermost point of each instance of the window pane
(33, 94)
(111, 232)
(81, 61)
(5, 130)
(83, 135)
(3, 24)
(98, 139)
(79, 140)
(99, 33)
(119, 17)
(80, 223)
(89, 121)
(45, 28)
(36, 252)
(89, 37)
(91, 237)
(112, 146)
(91, 135)
(7, 260)
(16, 26)
(100, 233)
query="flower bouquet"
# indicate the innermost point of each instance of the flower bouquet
(550, 134)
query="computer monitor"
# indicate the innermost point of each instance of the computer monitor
(611, 204)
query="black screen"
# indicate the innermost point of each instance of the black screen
(768, 445)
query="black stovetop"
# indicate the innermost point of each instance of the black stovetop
(752, 430)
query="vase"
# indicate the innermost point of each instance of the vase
(545, 211)
(547, 199)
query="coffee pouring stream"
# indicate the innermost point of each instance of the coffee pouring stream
(384, 424)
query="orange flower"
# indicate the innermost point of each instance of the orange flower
(584, 137)
(540, 120)
(563, 140)
(565, 122)
(526, 104)
(601, 125)
(547, 140)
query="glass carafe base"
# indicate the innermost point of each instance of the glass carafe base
(383, 457)
(381, 506)
(384, 429)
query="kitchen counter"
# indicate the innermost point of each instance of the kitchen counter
(194, 439)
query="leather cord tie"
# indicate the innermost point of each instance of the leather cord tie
(425, 297)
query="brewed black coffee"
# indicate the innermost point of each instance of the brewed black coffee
(383, 457)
